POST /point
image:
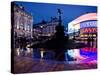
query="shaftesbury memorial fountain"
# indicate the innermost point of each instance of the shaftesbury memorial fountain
(58, 42)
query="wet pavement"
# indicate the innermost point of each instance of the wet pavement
(30, 65)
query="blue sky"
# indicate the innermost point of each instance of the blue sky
(45, 11)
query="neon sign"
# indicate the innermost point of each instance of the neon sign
(88, 30)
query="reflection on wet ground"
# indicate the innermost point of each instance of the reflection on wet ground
(82, 55)
(43, 61)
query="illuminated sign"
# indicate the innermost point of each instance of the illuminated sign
(88, 30)
(76, 27)
(73, 27)
(88, 24)
(70, 28)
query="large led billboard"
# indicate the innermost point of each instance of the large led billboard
(89, 24)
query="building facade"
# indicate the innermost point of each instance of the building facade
(23, 22)
(83, 27)
(45, 28)
(88, 32)
(84, 30)
(22, 29)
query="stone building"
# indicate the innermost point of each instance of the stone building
(22, 24)
(45, 28)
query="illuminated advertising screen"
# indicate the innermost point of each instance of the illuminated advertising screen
(87, 24)
(70, 28)
(88, 30)
(73, 28)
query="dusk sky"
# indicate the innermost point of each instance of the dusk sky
(45, 11)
